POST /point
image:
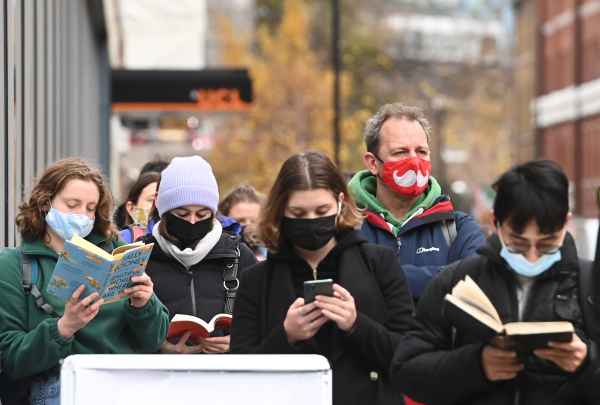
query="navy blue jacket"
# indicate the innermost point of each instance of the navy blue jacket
(421, 246)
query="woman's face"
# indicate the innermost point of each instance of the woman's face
(146, 198)
(77, 197)
(244, 212)
(192, 213)
(312, 203)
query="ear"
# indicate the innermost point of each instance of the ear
(129, 208)
(569, 216)
(341, 197)
(494, 221)
(371, 163)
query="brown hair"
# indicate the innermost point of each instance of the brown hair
(241, 193)
(136, 190)
(303, 171)
(31, 218)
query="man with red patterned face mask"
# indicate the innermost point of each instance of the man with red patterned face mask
(406, 208)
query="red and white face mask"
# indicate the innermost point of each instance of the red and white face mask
(408, 177)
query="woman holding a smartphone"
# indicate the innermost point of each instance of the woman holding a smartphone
(307, 224)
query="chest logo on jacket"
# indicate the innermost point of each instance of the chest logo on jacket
(431, 249)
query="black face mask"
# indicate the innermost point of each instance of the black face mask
(186, 232)
(310, 233)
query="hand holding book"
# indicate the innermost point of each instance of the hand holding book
(469, 309)
(567, 356)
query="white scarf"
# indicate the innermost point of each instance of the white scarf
(189, 257)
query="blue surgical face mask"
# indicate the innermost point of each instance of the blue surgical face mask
(521, 265)
(66, 226)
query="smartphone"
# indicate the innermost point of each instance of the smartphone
(317, 287)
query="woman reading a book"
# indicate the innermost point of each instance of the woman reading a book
(307, 223)
(197, 258)
(70, 198)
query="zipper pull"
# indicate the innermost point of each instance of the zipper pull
(191, 277)
(315, 273)
(398, 242)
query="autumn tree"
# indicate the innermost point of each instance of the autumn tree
(292, 106)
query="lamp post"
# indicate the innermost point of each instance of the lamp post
(336, 81)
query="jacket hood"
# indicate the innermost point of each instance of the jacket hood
(345, 240)
(492, 246)
(363, 187)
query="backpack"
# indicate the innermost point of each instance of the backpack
(136, 232)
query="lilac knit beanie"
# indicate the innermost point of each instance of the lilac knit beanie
(187, 181)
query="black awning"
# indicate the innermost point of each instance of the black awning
(173, 89)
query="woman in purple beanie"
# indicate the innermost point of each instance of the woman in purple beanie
(196, 261)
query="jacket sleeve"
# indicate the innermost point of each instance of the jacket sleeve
(469, 237)
(375, 341)
(246, 332)
(425, 367)
(587, 381)
(25, 352)
(149, 324)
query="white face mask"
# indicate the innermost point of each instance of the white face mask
(66, 225)
(521, 265)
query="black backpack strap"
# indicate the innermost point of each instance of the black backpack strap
(448, 228)
(591, 318)
(31, 288)
(107, 246)
(230, 280)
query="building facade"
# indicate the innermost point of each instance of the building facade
(562, 71)
(55, 91)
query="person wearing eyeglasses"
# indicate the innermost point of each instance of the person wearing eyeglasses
(529, 269)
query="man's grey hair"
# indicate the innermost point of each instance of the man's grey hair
(394, 110)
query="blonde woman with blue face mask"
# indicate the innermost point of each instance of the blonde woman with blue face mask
(70, 198)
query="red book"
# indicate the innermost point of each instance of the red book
(183, 323)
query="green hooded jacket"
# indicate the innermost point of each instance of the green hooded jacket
(363, 187)
(29, 338)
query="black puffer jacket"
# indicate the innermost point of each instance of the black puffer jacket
(360, 359)
(174, 284)
(428, 370)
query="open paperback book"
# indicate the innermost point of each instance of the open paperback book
(183, 323)
(82, 262)
(468, 308)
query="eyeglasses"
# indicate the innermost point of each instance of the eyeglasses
(522, 248)
(541, 248)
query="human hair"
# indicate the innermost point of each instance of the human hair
(136, 190)
(303, 171)
(394, 110)
(536, 190)
(31, 218)
(240, 193)
(156, 166)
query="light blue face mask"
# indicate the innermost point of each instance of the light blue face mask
(68, 225)
(521, 265)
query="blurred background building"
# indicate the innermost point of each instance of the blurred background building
(557, 89)
(55, 93)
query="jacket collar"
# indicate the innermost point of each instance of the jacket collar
(37, 247)
(441, 209)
